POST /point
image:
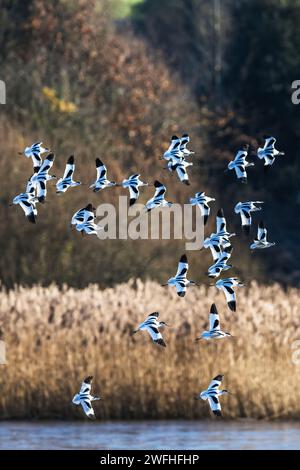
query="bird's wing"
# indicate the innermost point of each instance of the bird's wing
(269, 143)
(214, 404)
(156, 336)
(261, 232)
(214, 320)
(215, 383)
(180, 288)
(70, 167)
(240, 171)
(220, 221)
(86, 386)
(160, 190)
(133, 193)
(182, 173)
(245, 217)
(27, 207)
(174, 145)
(230, 295)
(88, 217)
(41, 190)
(47, 163)
(87, 408)
(101, 169)
(182, 266)
(183, 142)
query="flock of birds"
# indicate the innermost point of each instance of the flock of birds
(219, 242)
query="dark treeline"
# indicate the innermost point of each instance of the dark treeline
(84, 84)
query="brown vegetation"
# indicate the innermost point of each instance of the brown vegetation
(56, 337)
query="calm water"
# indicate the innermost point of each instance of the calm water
(149, 435)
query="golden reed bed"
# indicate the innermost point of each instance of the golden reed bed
(56, 337)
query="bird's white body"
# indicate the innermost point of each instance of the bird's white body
(27, 201)
(201, 200)
(221, 263)
(87, 225)
(180, 167)
(39, 179)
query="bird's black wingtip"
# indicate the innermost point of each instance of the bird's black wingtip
(217, 413)
(71, 160)
(174, 137)
(98, 162)
(181, 294)
(205, 219)
(213, 309)
(246, 229)
(261, 224)
(31, 218)
(220, 213)
(157, 183)
(88, 379)
(218, 377)
(232, 305)
(131, 202)
(183, 259)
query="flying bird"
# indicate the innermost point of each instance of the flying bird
(101, 180)
(222, 229)
(214, 331)
(261, 241)
(78, 217)
(41, 176)
(152, 325)
(202, 201)
(84, 397)
(180, 280)
(158, 200)
(221, 263)
(88, 225)
(245, 209)
(212, 394)
(227, 286)
(268, 152)
(239, 164)
(27, 202)
(173, 150)
(67, 180)
(133, 183)
(180, 167)
(34, 152)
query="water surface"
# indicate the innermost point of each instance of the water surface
(152, 435)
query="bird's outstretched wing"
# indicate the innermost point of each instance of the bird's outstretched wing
(182, 267)
(261, 232)
(215, 383)
(134, 194)
(47, 164)
(160, 190)
(86, 385)
(215, 405)
(87, 408)
(221, 221)
(70, 167)
(101, 169)
(230, 297)
(214, 320)
(155, 335)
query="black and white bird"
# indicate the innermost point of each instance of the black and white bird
(84, 397)
(261, 241)
(245, 209)
(214, 243)
(133, 183)
(221, 263)
(101, 181)
(41, 176)
(158, 200)
(27, 202)
(78, 217)
(67, 180)
(180, 166)
(227, 286)
(212, 394)
(180, 280)
(88, 224)
(34, 152)
(268, 152)
(202, 201)
(218, 242)
(214, 331)
(152, 325)
(239, 164)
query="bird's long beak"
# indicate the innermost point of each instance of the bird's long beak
(10, 204)
(197, 339)
(211, 285)
(20, 153)
(164, 285)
